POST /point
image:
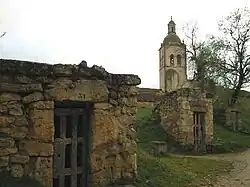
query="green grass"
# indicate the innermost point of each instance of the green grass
(169, 170)
(228, 141)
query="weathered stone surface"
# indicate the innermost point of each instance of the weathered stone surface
(105, 128)
(43, 171)
(5, 97)
(62, 70)
(19, 159)
(37, 96)
(6, 120)
(17, 133)
(102, 106)
(17, 170)
(43, 127)
(23, 79)
(6, 142)
(42, 105)
(8, 151)
(4, 161)
(3, 108)
(126, 120)
(20, 88)
(35, 148)
(21, 121)
(15, 109)
(84, 90)
(131, 80)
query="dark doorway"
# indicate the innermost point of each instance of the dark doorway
(199, 131)
(72, 121)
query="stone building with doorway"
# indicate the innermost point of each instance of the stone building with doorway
(185, 112)
(67, 125)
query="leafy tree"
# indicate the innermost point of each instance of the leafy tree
(233, 46)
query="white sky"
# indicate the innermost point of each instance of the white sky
(123, 36)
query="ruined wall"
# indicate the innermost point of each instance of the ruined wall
(147, 97)
(175, 112)
(27, 94)
(230, 117)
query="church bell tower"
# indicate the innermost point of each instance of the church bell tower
(172, 61)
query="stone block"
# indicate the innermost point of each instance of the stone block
(15, 109)
(42, 105)
(4, 161)
(37, 96)
(126, 120)
(6, 97)
(3, 108)
(83, 90)
(23, 79)
(43, 124)
(17, 170)
(17, 133)
(20, 88)
(105, 128)
(6, 120)
(185, 105)
(21, 121)
(8, 151)
(43, 171)
(63, 70)
(7, 142)
(35, 148)
(19, 159)
(102, 106)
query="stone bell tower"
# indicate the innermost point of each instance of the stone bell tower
(172, 61)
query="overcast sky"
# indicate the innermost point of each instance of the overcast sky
(123, 36)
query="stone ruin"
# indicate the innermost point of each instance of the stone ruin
(187, 116)
(230, 117)
(67, 125)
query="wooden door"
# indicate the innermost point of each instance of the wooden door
(199, 130)
(71, 145)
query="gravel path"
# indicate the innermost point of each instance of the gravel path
(240, 174)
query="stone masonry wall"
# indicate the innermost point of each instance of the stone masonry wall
(27, 94)
(175, 113)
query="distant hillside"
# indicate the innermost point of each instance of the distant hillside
(148, 95)
(151, 94)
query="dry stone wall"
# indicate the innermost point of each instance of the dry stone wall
(175, 113)
(27, 94)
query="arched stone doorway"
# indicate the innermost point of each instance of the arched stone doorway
(172, 80)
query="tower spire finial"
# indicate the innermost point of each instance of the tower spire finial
(171, 18)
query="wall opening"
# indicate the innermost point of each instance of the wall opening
(179, 60)
(171, 59)
(71, 162)
(199, 130)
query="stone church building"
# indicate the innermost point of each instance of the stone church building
(184, 111)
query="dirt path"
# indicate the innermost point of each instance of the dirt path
(239, 176)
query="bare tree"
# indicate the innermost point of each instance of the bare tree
(2, 35)
(235, 50)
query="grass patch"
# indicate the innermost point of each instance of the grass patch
(228, 141)
(169, 170)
